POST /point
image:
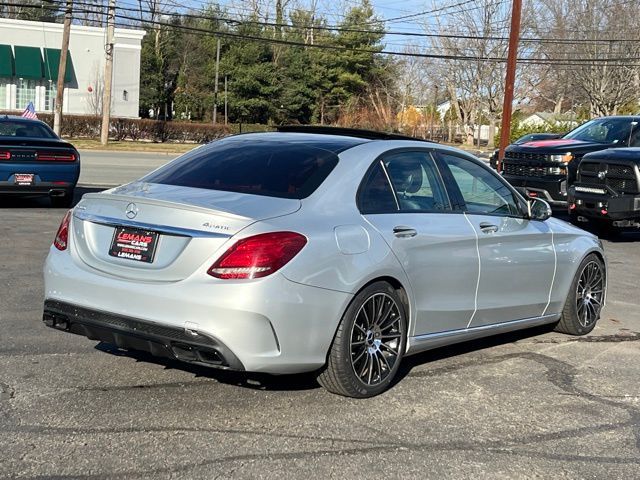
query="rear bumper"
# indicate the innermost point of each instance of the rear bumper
(135, 334)
(39, 189)
(553, 189)
(47, 177)
(269, 325)
(608, 206)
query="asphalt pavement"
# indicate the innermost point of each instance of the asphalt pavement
(535, 404)
(107, 168)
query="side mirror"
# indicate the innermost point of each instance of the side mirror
(539, 209)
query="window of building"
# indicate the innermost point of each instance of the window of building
(50, 90)
(25, 93)
(4, 87)
(125, 95)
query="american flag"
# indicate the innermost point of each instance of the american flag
(30, 112)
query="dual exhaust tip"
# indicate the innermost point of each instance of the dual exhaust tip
(54, 320)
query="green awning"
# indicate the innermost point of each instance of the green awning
(6, 61)
(52, 63)
(28, 62)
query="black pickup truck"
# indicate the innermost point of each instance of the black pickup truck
(607, 189)
(547, 168)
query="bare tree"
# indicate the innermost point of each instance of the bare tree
(475, 86)
(598, 42)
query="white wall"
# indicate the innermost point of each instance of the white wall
(86, 45)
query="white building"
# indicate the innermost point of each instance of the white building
(29, 59)
(548, 119)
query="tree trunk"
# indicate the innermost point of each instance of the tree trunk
(492, 133)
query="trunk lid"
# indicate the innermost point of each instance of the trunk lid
(191, 225)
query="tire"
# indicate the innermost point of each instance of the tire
(63, 202)
(579, 316)
(369, 344)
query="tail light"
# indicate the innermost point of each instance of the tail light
(56, 156)
(258, 256)
(62, 237)
(5, 155)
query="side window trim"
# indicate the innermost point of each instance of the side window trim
(450, 184)
(439, 170)
(393, 190)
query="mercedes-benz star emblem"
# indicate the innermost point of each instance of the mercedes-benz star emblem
(601, 175)
(131, 211)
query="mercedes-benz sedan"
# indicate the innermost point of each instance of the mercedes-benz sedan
(336, 252)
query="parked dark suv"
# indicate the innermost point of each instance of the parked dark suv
(607, 189)
(547, 168)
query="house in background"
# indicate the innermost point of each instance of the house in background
(29, 60)
(541, 119)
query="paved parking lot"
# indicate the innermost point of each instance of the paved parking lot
(533, 404)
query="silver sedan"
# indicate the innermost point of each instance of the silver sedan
(335, 252)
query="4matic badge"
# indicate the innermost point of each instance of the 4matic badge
(215, 226)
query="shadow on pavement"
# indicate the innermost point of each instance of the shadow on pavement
(11, 201)
(306, 381)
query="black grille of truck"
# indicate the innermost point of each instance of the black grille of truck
(619, 177)
(523, 170)
(536, 157)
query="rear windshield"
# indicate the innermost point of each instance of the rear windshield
(24, 129)
(269, 168)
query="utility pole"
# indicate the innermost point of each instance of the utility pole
(226, 112)
(215, 88)
(62, 68)
(108, 73)
(510, 80)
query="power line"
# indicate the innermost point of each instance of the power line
(231, 21)
(335, 28)
(525, 60)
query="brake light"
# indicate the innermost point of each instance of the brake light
(56, 156)
(258, 256)
(62, 237)
(5, 155)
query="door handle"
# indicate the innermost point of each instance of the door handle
(404, 232)
(487, 227)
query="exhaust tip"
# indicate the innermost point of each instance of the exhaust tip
(56, 321)
(57, 193)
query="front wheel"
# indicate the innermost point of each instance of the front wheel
(369, 344)
(584, 302)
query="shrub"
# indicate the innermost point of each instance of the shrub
(136, 129)
(518, 130)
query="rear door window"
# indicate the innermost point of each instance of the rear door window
(416, 182)
(269, 168)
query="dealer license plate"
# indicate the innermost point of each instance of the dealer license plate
(23, 179)
(134, 244)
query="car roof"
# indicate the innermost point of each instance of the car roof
(16, 119)
(627, 117)
(348, 132)
(332, 139)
